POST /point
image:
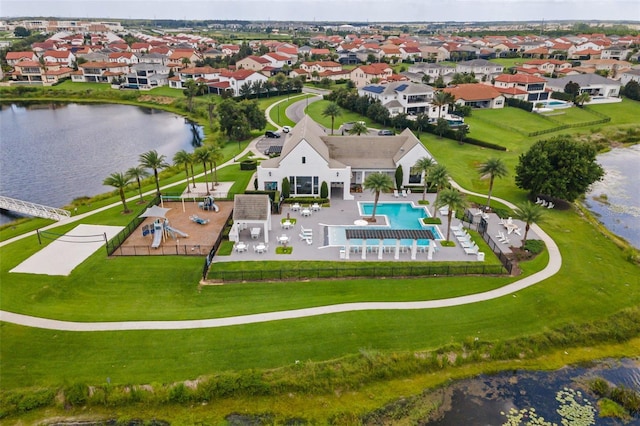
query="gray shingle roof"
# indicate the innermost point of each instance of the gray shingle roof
(250, 207)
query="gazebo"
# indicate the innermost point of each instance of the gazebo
(248, 210)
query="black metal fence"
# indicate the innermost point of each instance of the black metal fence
(114, 243)
(214, 249)
(162, 250)
(355, 271)
(508, 264)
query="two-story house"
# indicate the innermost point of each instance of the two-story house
(366, 74)
(145, 76)
(404, 97)
(516, 85)
(65, 57)
(479, 67)
(100, 72)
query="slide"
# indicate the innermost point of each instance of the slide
(215, 207)
(157, 235)
(174, 231)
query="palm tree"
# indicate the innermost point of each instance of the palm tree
(215, 155)
(154, 161)
(190, 90)
(202, 154)
(183, 158)
(424, 165)
(119, 181)
(438, 177)
(211, 106)
(582, 98)
(358, 129)
(529, 213)
(492, 168)
(332, 110)
(440, 99)
(377, 182)
(138, 173)
(455, 201)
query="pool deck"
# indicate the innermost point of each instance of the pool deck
(344, 213)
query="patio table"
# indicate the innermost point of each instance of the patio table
(255, 233)
(305, 212)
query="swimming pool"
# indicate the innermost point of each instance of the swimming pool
(554, 103)
(399, 215)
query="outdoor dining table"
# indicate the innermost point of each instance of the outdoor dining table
(240, 247)
(261, 248)
(286, 224)
(305, 212)
(255, 233)
(283, 239)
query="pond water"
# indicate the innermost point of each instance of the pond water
(54, 153)
(620, 210)
(486, 400)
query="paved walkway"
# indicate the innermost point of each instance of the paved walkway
(555, 262)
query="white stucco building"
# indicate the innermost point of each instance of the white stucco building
(309, 157)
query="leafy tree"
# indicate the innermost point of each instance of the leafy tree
(324, 190)
(154, 161)
(424, 165)
(325, 82)
(286, 188)
(279, 81)
(559, 167)
(572, 89)
(376, 183)
(190, 90)
(21, 32)
(455, 201)
(378, 113)
(202, 155)
(632, 90)
(442, 126)
(463, 78)
(529, 213)
(332, 110)
(461, 133)
(246, 90)
(255, 117)
(582, 98)
(358, 128)
(138, 173)
(439, 82)
(492, 168)
(426, 79)
(399, 177)
(183, 158)
(120, 182)
(232, 119)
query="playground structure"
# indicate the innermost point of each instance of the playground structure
(161, 230)
(209, 204)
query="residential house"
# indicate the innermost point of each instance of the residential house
(630, 75)
(479, 67)
(404, 98)
(15, 57)
(144, 76)
(278, 60)
(182, 59)
(128, 58)
(533, 86)
(205, 74)
(252, 62)
(617, 51)
(212, 53)
(366, 74)
(65, 57)
(546, 66)
(141, 47)
(234, 80)
(594, 84)
(612, 66)
(310, 157)
(34, 72)
(431, 53)
(477, 95)
(432, 70)
(100, 72)
(154, 58)
(229, 49)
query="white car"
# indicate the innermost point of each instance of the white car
(286, 129)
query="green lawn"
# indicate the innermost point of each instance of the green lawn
(79, 87)
(512, 118)
(509, 62)
(573, 115)
(171, 92)
(595, 281)
(315, 111)
(278, 113)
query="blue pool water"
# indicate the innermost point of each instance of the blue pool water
(401, 215)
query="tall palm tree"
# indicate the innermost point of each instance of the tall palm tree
(424, 165)
(215, 156)
(332, 110)
(119, 181)
(190, 90)
(138, 173)
(582, 98)
(492, 168)
(455, 201)
(529, 213)
(154, 161)
(183, 158)
(377, 182)
(202, 154)
(438, 177)
(440, 99)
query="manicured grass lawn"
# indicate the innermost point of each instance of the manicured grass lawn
(509, 62)
(278, 113)
(625, 112)
(315, 111)
(571, 115)
(514, 118)
(171, 92)
(80, 87)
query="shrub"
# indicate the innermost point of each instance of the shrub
(518, 103)
(599, 386)
(286, 188)
(76, 394)
(248, 165)
(432, 221)
(324, 190)
(534, 246)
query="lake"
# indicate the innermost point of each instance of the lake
(620, 210)
(54, 153)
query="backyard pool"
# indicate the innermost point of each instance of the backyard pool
(555, 104)
(399, 215)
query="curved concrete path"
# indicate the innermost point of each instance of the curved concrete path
(555, 262)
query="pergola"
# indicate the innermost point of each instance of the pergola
(251, 209)
(389, 234)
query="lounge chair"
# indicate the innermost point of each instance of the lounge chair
(395, 193)
(467, 244)
(517, 231)
(472, 250)
(404, 193)
(460, 233)
(462, 238)
(457, 227)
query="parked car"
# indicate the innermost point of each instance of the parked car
(271, 134)
(385, 132)
(286, 129)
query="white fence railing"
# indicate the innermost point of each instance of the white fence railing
(32, 209)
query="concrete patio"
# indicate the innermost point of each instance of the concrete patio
(345, 213)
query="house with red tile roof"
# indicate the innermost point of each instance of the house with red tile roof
(124, 57)
(15, 57)
(252, 62)
(141, 47)
(534, 86)
(65, 57)
(366, 74)
(278, 60)
(178, 58)
(320, 66)
(543, 66)
(477, 95)
(229, 49)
